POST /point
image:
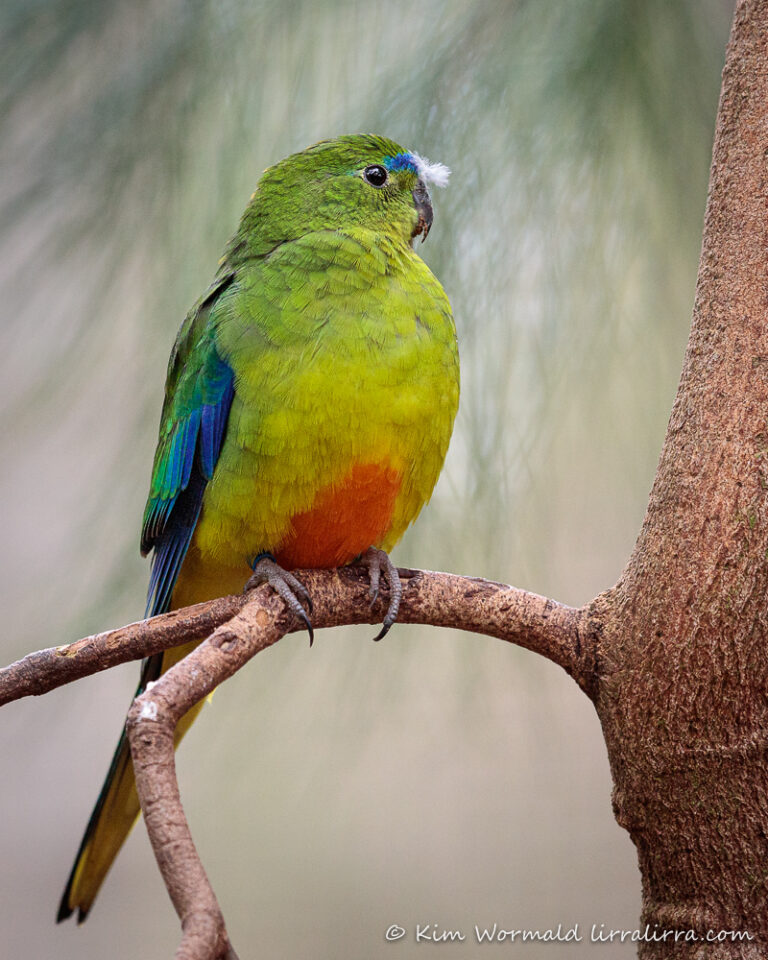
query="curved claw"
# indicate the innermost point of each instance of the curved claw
(292, 590)
(375, 560)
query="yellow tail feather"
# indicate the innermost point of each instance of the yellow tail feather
(116, 811)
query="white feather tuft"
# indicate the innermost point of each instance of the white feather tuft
(436, 173)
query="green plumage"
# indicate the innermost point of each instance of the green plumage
(309, 403)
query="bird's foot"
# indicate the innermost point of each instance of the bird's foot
(267, 570)
(378, 563)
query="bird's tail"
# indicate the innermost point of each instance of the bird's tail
(117, 808)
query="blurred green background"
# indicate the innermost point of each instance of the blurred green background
(435, 777)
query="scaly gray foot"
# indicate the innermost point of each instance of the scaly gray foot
(267, 570)
(378, 563)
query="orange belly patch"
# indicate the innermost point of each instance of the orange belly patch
(344, 520)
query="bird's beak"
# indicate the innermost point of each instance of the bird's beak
(424, 210)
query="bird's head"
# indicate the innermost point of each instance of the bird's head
(353, 181)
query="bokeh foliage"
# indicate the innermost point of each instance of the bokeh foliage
(579, 135)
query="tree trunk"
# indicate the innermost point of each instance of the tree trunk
(682, 664)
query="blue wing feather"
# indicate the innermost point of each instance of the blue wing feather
(212, 423)
(188, 449)
(173, 544)
(172, 516)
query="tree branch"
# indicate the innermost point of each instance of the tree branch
(340, 597)
(44, 670)
(238, 627)
(151, 734)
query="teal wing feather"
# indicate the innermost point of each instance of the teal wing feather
(199, 392)
(198, 397)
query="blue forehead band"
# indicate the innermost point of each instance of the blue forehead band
(402, 161)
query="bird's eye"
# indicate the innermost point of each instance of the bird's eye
(376, 175)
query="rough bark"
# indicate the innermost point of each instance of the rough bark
(44, 670)
(682, 637)
(339, 597)
(244, 626)
(673, 657)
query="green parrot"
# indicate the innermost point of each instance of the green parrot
(309, 403)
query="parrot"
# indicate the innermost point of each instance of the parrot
(309, 404)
